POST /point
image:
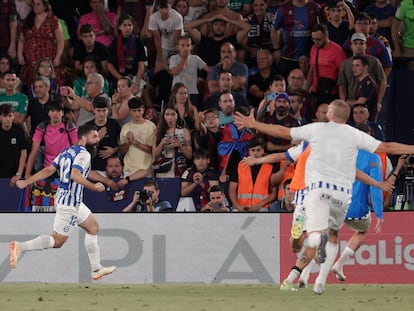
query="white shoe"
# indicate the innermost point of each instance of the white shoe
(98, 274)
(339, 273)
(318, 289)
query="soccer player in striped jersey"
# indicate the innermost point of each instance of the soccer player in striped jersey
(73, 165)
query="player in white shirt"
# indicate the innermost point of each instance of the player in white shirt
(73, 165)
(329, 175)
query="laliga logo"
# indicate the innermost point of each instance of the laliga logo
(384, 253)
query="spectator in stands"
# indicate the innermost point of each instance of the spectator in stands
(89, 65)
(360, 115)
(222, 10)
(127, 55)
(296, 105)
(187, 112)
(120, 99)
(374, 46)
(285, 204)
(384, 12)
(18, 101)
(295, 84)
(172, 143)
(260, 22)
(259, 83)
(165, 26)
(147, 200)
(242, 7)
(321, 112)
(217, 201)
(6, 64)
(325, 59)
(281, 116)
(136, 141)
(291, 37)
(266, 109)
(37, 110)
(339, 29)
(228, 63)
(50, 138)
(108, 130)
(210, 135)
(82, 107)
(111, 175)
(225, 84)
(102, 21)
(88, 46)
(44, 68)
(403, 44)
(157, 89)
(140, 12)
(250, 188)
(8, 23)
(182, 7)
(347, 82)
(373, 27)
(13, 146)
(41, 36)
(197, 180)
(184, 66)
(366, 90)
(209, 46)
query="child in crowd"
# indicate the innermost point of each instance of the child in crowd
(267, 105)
(44, 68)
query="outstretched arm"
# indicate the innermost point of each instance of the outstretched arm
(274, 130)
(42, 174)
(395, 148)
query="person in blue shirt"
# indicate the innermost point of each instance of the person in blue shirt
(73, 165)
(358, 217)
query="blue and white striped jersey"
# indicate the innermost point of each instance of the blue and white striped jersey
(70, 193)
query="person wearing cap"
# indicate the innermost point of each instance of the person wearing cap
(209, 46)
(50, 138)
(347, 82)
(325, 60)
(281, 116)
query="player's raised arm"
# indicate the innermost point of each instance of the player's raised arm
(42, 174)
(249, 121)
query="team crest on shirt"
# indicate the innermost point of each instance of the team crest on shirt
(13, 141)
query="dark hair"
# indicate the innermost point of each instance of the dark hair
(135, 103)
(215, 188)
(364, 128)
(373, 15)
(100, 102)
(287, 182)
(92, 58)
(127, 79)
(276, 77)
(320, 27)
(10, 60)
(6, 109)
(161, 3)
(150, 183)
(29, 20)
(201, 153)
(362, 16)
(86, 28)
(55, 104)
(8, 72)
(211, 110)
(256, 141)
(85, 129)
(243, 110)
(364, 60)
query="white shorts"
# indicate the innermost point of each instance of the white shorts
(326, 206)
(359, 224)
(300, 209)
(67, 218)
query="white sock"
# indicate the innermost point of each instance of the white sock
(304, 276)
(39, 243)
(292, 275)
(92, 248)
(331, 251)
(345, 256)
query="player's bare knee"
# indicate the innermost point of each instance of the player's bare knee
(314, 239)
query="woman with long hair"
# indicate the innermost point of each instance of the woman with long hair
(172, 142)
(187, 112)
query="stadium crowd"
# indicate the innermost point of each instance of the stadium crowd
(161, 81)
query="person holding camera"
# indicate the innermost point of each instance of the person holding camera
(217, 201)
(147, 200)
